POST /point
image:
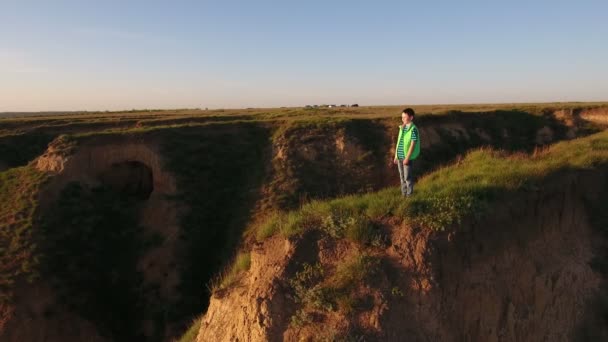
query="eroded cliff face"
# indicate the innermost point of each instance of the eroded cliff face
(90, 160)
(131, 167)
(523, 273)
(317, 161)
(576, 118)
(258, 308)
(306, 162)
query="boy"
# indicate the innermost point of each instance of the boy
(407, 150)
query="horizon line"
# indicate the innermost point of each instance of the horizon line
(300, 106)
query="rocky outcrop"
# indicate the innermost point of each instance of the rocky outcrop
(259, 299)
(96, 156)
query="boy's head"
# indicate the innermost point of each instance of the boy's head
(407, 115)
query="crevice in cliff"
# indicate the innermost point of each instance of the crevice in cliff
(131, 178)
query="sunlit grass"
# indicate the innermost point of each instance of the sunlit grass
(192, 332)
(443, 198)
(241, 263)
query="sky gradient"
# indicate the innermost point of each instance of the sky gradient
(112, 55)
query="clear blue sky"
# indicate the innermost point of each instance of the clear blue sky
(95, 55)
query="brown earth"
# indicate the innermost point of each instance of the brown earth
(103, 160)
(576, 118)
(318, 163)
(95, 162)
(521, 274)
(259, 299)
(595, 115)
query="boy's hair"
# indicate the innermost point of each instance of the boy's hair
(409, 112)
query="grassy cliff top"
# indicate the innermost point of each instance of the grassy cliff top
(444, 198)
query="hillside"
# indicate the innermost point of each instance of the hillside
(136, 214)
(491, 248)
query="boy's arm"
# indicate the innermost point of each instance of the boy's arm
(413, 143)
(409, 152)
(397, 146)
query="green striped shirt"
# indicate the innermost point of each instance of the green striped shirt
(400, 152)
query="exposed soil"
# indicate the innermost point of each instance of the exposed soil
(521, 274)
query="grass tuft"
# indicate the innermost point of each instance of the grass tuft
(241, 263)
(192, 332)
(314, 291)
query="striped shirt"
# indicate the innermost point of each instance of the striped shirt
(400, 152)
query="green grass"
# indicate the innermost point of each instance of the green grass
(444, 198)
(19, 255)
(192, 332)
(308, 294)
(353, 271)
(349, 276)
(315, 290)
(241, 263)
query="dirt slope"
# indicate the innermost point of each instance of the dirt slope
(521, 274)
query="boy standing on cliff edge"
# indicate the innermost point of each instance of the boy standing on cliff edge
(407, 150)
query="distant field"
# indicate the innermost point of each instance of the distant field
(286, 112)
